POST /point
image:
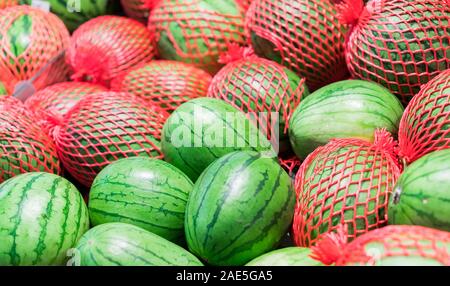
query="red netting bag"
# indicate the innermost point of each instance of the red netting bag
(425, 125)
(136, 9)
(393, 245)
(104, 127)
(291, 165)
(30, 40)
(303, 35)
(165, 83)
(24, 146)
(400, 44)
(106, 46)
(346, 181)
(258, 86)
(196, 31)
(245, 3)
(61, 97)
(8, 3)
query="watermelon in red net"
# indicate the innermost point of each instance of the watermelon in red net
(400, 44)
(8, 3)
(136, 9)
(304, 35)
(388, 246)
(30, 39)
(425, 125)
(61, 97)
(165, 83)
(196, 31)
(346, 181)
(106, 46)
(24, 146)
(105, 127)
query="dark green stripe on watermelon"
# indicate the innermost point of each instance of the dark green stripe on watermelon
(240, 208)
(19, 35)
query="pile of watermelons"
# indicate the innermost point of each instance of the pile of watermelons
(225, 132)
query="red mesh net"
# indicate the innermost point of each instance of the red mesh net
(346, 181)
(61, 97)
(256, 85)
(196, 31)
(30, 39)
(425, 125)
(423, 245)
(245, 3)
(166, 83)
(105, 127)
(136, 9)
(8, 3)
(106, 46)
(400, 44)
(24, 146)
(304, 35)
(291, 165)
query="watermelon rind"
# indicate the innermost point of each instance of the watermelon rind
(290, 256)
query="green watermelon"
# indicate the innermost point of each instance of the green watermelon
(345, 109)
(120, 244)
(3, 89)
(290, 256)
(240, 207)
(422, 193)
(145, 192)
(42, 217)
(203, 130)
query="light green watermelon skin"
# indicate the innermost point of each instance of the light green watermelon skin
(188, 140)
(290, 256)
(42, 217)
(145, 192)
(345, 109)
(3, 89)
(422, 193)
(120, 244)
(240, 207)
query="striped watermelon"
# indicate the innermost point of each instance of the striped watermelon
(43, 216)
(345, 109)
(120, 244)
(148, 193)
(136, 9)
(422, 193)
(290, 256)
(240, 207)
(203, 130)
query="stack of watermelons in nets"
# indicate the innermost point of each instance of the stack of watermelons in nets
(225, 133)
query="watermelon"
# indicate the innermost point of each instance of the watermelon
(401, 44)
(394, 245)
(425, 125)
(136, 9)
(290, 256)
(196, 31)
(148, 193)
(304, 35)
(240, 208)
(43, 216)
(203, 130)
(166, 83)
(345, 109)
(120, 244)
(3, 89)
(61, 97)
(30, 39)
(422, 193)
(105, 127)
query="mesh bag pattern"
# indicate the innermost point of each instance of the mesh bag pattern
(165, 83)
(106, 46)
(136, 9)
(196, 31)
(61, 97)
(245, 3)
(105, 127)
(24, 146)
(29, 39)
(305, 36)
(291, 165)
(394, 241)
(400, 44)
(346, 181)
(425, 125)
(256, 85)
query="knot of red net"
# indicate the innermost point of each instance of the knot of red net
(384, 141)
(49, 121)
(150, 4)
(331, 247)
(235, 53)
(351, 11)
(88, 72)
